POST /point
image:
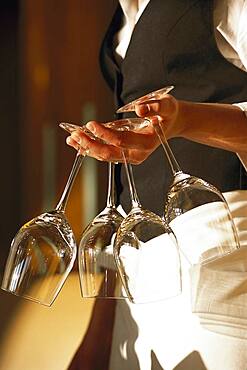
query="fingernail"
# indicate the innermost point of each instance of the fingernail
(90, 126)
(68, 140)
(76, 137)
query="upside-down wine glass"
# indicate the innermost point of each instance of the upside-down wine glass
(145, 247)
(196, 210)
(43, 252)
(98, 273)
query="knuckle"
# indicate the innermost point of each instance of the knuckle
(118, 141)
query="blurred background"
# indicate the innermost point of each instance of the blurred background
(49, 73)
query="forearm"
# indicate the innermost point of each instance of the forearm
(220, 125)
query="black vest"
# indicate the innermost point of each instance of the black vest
(173, 44)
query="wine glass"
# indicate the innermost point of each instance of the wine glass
(196, 210)
(98, 273)
(145, 247)
(43, 252)
(151, 96)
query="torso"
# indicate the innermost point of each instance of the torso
(175, 54)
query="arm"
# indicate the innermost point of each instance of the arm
(219, 125)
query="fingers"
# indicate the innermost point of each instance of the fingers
(102, 151)
(146, 140)
(166, 107)
(168, 113)
(107, 144)
(74, 141)
(71, 142)
(95, 148)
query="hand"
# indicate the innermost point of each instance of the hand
(136, 145)
(214, 124)
(167, 109)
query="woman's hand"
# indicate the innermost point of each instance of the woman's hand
(110, 143)
(167, 109)
(137, 145)
(219, 125)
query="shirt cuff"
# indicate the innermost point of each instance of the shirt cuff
(242, 106)
(243, 155)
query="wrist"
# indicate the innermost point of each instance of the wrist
(178, 127)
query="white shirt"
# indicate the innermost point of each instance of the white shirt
(230, 19)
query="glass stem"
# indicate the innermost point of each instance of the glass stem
(74, 171)
(110, 202)
(133, 193)
(176, 170)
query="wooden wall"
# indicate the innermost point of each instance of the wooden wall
(60, 80)
(49, 73)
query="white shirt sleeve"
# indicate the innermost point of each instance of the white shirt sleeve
(230, 30)
(243, 155)
(230, 33)
(242, 106)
